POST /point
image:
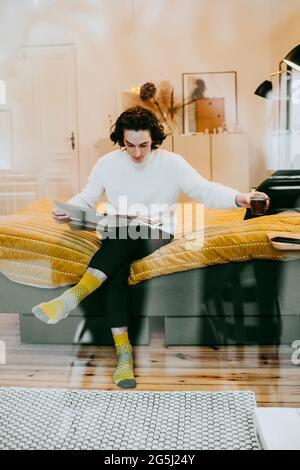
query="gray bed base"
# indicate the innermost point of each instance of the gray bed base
(253, 302)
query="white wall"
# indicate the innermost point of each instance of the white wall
(121, 43)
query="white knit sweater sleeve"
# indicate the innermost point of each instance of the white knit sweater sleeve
(93, 190)
(209, 193)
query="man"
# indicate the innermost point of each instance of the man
(147, 179)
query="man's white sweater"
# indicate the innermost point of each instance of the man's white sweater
(150, 188)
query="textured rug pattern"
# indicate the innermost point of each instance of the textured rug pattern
(71, 419)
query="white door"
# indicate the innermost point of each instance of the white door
(47, 131)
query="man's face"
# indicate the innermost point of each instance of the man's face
(137, 144)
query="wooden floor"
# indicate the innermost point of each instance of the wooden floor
(266, 370)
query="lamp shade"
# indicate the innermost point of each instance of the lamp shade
(264, 89)
(293, 58)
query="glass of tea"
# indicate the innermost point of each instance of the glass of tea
(258, 204)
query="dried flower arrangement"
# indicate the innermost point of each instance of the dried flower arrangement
(159, 99)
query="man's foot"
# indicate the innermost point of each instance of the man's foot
(123, 375)
(56, 309)
(60, 307)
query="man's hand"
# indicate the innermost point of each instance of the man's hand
(243, 199)
(60, 216)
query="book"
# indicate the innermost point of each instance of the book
(89, 219)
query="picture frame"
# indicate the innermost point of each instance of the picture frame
(210, 101)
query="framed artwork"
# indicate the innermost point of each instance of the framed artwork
(210, 101)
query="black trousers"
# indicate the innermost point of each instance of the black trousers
(114, 259)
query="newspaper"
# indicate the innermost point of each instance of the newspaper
(90, 219)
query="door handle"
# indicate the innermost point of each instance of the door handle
(72, 139)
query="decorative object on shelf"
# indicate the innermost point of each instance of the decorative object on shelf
(209, 100)
(160, 99)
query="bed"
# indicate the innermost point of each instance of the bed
(236, 289)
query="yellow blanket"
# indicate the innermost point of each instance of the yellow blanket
(35, 250)
(236, 241)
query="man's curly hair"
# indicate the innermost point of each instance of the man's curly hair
(138, 119)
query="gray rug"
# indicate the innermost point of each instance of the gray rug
(74, 419)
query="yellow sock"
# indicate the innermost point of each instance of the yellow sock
(121, 339)
(60, 307)
(123, 375)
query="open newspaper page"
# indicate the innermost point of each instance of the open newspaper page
(90, 219)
